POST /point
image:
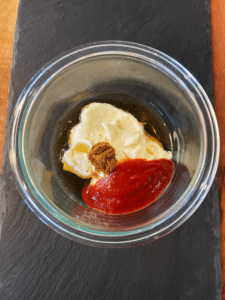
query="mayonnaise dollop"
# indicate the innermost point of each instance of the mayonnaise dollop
(102, 122)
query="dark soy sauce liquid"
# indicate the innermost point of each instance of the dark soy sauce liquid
(157, 127)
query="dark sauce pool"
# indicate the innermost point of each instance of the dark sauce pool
(154, 124)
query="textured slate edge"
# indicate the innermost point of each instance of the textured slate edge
(7, 127)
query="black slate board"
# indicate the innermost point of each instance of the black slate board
(37, 263)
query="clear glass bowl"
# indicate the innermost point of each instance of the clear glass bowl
(149, 84)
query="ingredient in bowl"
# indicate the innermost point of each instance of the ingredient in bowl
(134, 184)
(102, 157)
(102, 122)
(129, 168)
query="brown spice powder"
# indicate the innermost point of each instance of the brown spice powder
(102, 157)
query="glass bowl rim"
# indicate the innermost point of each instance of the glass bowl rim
(49, 215)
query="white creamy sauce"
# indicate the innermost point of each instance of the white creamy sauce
(102, 122)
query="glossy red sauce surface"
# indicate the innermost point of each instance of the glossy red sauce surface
(134, 184)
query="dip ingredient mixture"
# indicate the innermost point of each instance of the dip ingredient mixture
(128, 167)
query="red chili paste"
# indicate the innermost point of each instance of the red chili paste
(134, 184)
